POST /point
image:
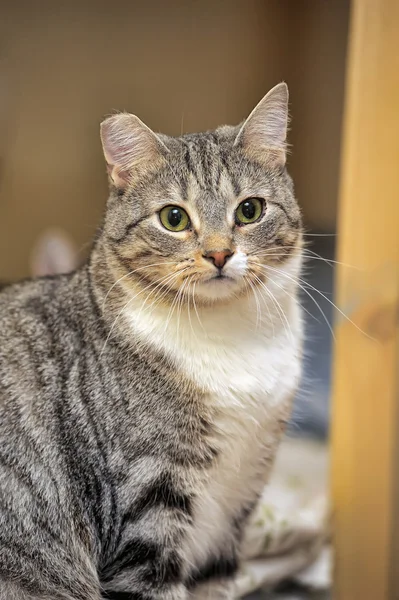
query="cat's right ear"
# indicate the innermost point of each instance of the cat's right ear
(130, 148)
(263, 135)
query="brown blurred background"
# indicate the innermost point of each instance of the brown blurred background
(194, 64)
(191, 64)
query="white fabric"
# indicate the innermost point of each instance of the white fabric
(288, 536)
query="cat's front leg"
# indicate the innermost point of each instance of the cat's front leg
(215, 590)
(177, 593)
(149, 560)
(148, 579)
(134, 586)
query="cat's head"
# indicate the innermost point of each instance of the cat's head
(203, 214)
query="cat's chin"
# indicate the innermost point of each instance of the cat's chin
(217, 288)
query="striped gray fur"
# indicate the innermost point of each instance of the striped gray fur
(106, 443)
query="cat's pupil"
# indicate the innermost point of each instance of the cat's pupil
(248, 209)
(174, 217)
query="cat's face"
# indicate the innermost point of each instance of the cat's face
(200, 216)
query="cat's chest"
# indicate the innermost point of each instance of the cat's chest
(246, 382)
(237, 368)
(245, 375)
(249, 393)
(225, 351)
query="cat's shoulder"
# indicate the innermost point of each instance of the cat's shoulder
(32, 300)
(19, 296)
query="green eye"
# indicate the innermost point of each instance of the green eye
(174, 218)
(249, 211)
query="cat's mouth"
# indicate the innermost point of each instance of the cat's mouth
(219, 286)
(219, 277)
(224, 282)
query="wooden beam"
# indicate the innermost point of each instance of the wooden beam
(365, 469)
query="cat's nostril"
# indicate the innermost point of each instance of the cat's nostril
(218, 257)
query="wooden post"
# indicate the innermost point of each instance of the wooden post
(365, 430)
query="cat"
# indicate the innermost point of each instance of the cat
(143, 396)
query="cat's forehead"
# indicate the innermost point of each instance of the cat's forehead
(207, 170)
(203, 153)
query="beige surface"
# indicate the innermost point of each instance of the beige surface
(65, 65)
(287, 538)
(365, 428)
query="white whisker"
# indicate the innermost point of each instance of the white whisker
(160, 295)
(181, 301)
(320, 234)
(278, 306)
(297, 281)
(188, 307)
(131, 273)
(125, 306)
(171, 310)
(161, 285)
(314, 256)
(258, 311)
(195, 308)
(289, 295)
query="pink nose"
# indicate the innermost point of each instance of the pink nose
(218, 257)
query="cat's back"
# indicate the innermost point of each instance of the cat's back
(39, 319)
(45, 300)
(22, 314)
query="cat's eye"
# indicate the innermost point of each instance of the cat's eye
(249, 211)
(174, 218)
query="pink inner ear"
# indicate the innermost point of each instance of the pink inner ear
(124, 175)
(130, 148)
(118, 141)
(118, 153)
(118, 175)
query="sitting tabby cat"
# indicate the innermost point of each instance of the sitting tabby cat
(142, 397)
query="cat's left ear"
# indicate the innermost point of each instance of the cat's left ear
(130, 148)
(263, 135)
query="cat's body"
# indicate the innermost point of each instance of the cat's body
(138, 424)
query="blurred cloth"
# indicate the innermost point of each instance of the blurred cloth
(288, 536)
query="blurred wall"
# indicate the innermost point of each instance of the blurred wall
(179, 64)
(315, 63)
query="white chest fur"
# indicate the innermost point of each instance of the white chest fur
(248, 366)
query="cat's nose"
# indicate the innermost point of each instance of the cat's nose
(218, 257)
